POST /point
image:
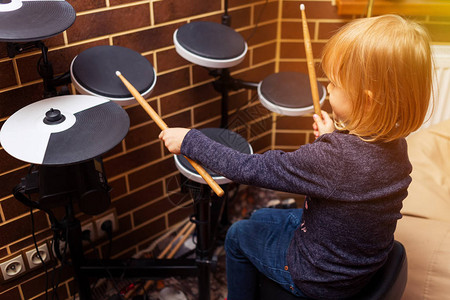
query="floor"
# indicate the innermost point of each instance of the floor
(245, 200)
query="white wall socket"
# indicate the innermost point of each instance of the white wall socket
(98, 224)
(12, 267)
(33, 257)
(63, 249)
(89, 226)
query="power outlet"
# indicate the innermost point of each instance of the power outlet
(63, 249)
(109, 217)
(13, 267)
(93, 234)
(33, 259)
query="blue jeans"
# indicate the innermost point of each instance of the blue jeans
(260, 244)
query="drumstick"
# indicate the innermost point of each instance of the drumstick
(182, 231)
(162, 125)
(310, 63)
(189, 227)
(181, 242)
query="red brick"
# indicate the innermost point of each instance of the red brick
(138, 198)
(327, 30)
(287, 122)
(207, 111)
(170, 10)
(151, 173)
(138, 115)
(187, 98)
(135, 237)
(171, 81)
(108, 22)
(83, 5)
(290, 139)
(264, 53)
(294, 30)
(148, 39)
(132, 159)
(7, 76)
(313, 10)
(19, 228)
(169, 59)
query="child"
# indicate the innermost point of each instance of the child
(355, 177)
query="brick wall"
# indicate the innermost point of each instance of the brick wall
(141, 172)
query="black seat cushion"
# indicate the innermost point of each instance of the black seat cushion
(388, 283)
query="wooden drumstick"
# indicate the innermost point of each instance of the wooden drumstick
(182, 231)
(186, 232)
(310, 63)
(181, 242)
(162, 125)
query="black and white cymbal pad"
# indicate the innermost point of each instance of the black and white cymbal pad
(64, 130)
(34, 20)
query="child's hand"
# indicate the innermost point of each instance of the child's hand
(172, 138)
(322, 125)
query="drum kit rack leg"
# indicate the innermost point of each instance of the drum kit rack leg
(72, 134)
(64, 186)
(200, 266)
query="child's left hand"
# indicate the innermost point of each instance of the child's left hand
(172, 138)
(322, 125)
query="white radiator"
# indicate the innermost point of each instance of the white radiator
(441, 109)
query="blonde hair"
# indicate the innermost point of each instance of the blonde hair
(384, 64)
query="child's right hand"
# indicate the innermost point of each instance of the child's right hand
(173, 138)
(322, 125)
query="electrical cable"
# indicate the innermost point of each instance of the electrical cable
(62, 259)
(54, 287)
(91, 243)
(38, 252)
(108, 229)
(257, 22)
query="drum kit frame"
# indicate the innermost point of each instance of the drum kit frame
(44, 68)
(83, 181)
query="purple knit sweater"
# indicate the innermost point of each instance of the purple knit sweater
(354, 195)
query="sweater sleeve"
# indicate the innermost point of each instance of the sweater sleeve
(295, 172)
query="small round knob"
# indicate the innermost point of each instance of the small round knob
(53, 116)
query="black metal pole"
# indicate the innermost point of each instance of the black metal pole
(45, 69)
(76, 251)
(226, 19)
(203, 251)
(224, 108)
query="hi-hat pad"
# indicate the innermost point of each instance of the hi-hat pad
(64, 130)
(33, 20)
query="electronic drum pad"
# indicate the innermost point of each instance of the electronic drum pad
(64, 130)
(33, 20)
